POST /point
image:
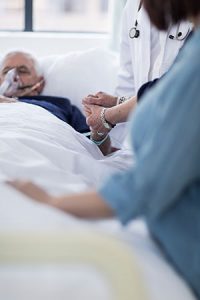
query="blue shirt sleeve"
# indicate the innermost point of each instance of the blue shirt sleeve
(168, 160)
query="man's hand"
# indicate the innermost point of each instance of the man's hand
(93, 118)
(101, 99)
(4, 99)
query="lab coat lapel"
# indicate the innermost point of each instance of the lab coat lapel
(170, 47)
(143, 48)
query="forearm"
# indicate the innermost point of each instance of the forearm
(105, 147)
(84, 205)
(88, 205)
(120, 113)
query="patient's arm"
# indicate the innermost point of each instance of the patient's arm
(83, 205)
(100, 137)
(105, 146)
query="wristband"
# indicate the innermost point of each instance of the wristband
(98, 143)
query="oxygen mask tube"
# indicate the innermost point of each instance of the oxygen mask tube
(9, 86)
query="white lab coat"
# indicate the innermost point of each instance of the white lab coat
(136, 65)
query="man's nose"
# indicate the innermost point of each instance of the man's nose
(16, 76)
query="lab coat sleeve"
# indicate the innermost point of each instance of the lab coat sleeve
(125, 84)
(168, 162)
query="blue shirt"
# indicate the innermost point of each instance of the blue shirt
(61, 108)
(164, 184)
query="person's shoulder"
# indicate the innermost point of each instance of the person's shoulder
(192, 50)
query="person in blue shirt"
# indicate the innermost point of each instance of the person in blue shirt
(163, 185)
(21, 80)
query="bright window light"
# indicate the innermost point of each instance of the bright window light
(56, 15)
(11, 14)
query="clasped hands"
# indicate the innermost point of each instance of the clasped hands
(93, 105)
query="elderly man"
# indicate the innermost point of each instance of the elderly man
(21, 80)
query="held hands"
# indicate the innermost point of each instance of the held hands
(93, 118)
(101, 99)
(96, 107)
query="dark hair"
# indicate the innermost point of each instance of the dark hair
(164, 12)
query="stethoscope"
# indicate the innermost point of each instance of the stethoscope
(134, 32)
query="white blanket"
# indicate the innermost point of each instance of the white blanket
(38, 146)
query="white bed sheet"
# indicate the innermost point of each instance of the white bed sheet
(38, 146)
(19, 214)
(53, 282)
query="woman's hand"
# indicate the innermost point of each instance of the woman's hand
(101, 99)
(31, 190)
(83, 205)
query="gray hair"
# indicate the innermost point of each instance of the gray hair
(29, 55)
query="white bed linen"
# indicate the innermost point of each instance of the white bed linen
(36, 145)
(53, 282)
(19, 214)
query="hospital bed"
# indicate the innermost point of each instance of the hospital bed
(46, 254)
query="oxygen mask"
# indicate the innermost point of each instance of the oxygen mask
(10, 85)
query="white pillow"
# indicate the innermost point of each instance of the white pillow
(78, 74)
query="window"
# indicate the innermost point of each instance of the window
(11, 14)
(55, 15)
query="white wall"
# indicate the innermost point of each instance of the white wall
(43, 44)
(117, 9)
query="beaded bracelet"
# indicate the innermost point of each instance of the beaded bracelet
(105, 123)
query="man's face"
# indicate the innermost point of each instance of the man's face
(26, 73)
